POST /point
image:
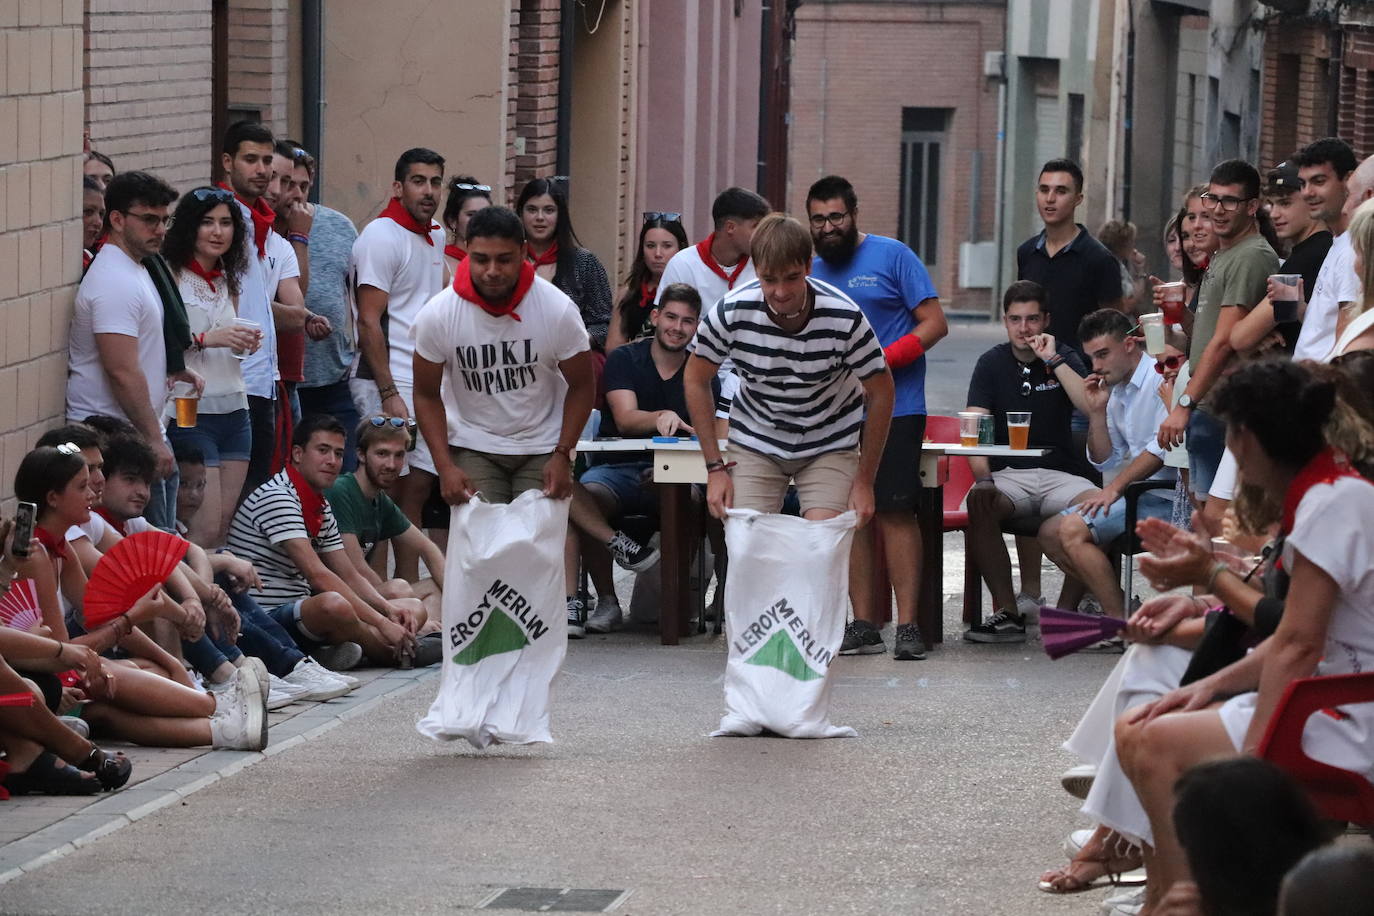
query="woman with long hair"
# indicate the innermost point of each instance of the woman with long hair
(465, 197)
(661, 237)
(1356, 331)
(552, 247)
(206, 248)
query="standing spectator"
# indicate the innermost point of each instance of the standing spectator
(99, 168)
(117, 360)
(92, 219)
(269, 293)
(1327, 170)
(1078, 273)
(558, 256)
(815, 396)
(465, 197)
(1119, 237)
(661, 237)
(398, 266)
(890, 285)
(720, 262)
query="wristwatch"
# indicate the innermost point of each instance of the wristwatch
(1186, 401)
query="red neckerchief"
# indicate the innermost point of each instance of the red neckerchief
(312, 501)
(115, 523)
(462, 285)
(704, 249)
(55, 546)
(1206, 262)
(209, 276)
(396, 211)
(453, 251)
(646, 294)
(1327, 467)
(550, 256)
(263, 218)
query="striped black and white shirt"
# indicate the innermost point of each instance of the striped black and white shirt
(270, 516)
(800, 394)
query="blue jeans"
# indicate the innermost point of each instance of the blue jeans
(262, 637)
(162, 505)
(1206, 443)
(207, 653)
(336, 401)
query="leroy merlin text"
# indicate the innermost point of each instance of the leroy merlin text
(509, 600)
(782, 613)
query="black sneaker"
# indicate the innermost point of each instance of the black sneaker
(631, 554)
(862, 638)
(577, 612)
(1004, 626)
(908, 646)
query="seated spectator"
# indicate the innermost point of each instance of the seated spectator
(367, 517)
(287, 530)
(661, 237)
(1330, 881)
(1276, 412)
(92, 219)
(1124, 411)
(1010, 377)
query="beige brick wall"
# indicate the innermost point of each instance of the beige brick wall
(148, 103)
(258, 59)
(40, 225)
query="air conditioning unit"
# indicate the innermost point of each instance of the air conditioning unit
(995, 64)
(977, 264)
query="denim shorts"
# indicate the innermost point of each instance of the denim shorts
(221, 436)
(633, 496)
(289, 617)
(1109, 525)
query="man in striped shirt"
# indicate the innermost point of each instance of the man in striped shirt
(815, 396)
(287, 530)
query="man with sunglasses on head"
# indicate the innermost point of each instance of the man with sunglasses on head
(1011, 377)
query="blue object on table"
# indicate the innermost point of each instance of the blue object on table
(666, 439)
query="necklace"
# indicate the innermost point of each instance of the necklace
(789, 315)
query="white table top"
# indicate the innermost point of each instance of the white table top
(691, 445)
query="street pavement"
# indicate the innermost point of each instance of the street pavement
(947, 803)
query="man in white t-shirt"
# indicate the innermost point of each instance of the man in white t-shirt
(269, 292)
(1332, 188)
(117, 358)
(505, 355)
(398, 265)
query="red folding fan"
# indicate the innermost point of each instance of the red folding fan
(125, 574)
(19, 606)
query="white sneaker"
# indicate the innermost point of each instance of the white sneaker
(280, 693)
(259, 670)
(1028, 606)
(1127, 904)
(606, 617)
(315, 682)
(1075, 841)
(1078, 780)
(240, 722)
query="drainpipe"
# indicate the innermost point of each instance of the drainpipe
(1128, 126)
(766, 75)
(312, 77)
(563, 149)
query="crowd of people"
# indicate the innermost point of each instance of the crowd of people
(299, 401)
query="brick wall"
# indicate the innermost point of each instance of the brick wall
(1356, 112)
(258, 63)
(536, 89)
(40, 225)
(148, 103)
(1294, 93)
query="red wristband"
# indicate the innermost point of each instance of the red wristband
(904, 351)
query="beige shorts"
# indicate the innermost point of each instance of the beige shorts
(1036, 492)
(501, 478)
(823, 482)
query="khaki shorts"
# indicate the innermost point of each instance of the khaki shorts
(1040, 493)
(501, 478)
(823, 482)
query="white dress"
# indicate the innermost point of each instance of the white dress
(1332, 530)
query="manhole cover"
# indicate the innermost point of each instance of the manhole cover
(554, 899)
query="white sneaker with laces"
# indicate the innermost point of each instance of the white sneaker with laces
(315, 683)
(240, 722)
(259, 670)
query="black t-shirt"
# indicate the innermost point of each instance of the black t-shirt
(1081, 278)
(631, 367)
(997, 386)
(1306, 258)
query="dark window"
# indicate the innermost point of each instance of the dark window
(924, 135)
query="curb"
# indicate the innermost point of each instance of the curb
(85, 826)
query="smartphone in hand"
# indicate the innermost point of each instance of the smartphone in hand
(25, 518)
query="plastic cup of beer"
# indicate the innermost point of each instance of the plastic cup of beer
(968, 428)
(187, 403)
(244, 323)
(1018, 428)
(1286, 297)
(1153, 327)
(1172, 296)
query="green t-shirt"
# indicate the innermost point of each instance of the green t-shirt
(369, 521)
(1237, 276)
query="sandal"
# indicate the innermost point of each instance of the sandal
(46, 777)
(112, 771)
(1115, 870)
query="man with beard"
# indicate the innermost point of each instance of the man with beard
(368, 517)
(398, 265)
(892, 287)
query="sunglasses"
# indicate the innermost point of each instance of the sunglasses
(665, 215)
(397, 423)
(68, 448)
(1025, 381)
(1168, 364)
(464, 186)
(219, 194)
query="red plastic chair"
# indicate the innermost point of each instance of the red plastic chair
(1338, 794)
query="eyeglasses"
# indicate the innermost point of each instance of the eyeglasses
(1168, 363)
(464, 186)
(219, 194)
(665, 215)
(397, 423)
(818, 220)
(151, 220)
(1025, 381)
(1228, 203)
(68, 448)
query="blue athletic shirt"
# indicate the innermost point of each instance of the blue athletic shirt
(888, 281)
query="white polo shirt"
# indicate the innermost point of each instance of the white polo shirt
(410, 271)
(1336, 283)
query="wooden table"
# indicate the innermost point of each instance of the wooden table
(677, 464)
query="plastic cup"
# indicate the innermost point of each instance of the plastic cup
(968, 427)
(1018, 428)
(244, 323)
(987, 430)
(1172, 298)
(1286, 297)
(1153, 327)
(187, 403)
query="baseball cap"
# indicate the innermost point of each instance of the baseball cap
(1283, 178)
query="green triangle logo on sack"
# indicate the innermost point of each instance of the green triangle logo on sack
(500, 634)
(781, 653)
